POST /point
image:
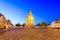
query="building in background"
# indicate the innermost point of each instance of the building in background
(30, 20)
(56, 24)
(4, 23)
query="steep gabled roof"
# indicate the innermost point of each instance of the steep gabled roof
(57, 21)
(1, 14)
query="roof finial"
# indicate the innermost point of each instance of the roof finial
(30, 13)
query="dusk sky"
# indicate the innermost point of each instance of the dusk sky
(42, 10)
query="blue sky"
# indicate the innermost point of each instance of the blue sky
(18, 10)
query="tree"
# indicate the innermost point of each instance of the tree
(18, 24)
(43, 24)
(23, 24)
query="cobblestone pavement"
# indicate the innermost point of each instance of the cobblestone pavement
(30, 34)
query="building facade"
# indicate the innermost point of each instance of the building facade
(55, 24)
(30, 20)
(4, 23)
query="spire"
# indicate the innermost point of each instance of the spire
(30, 20)
(30, 13)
